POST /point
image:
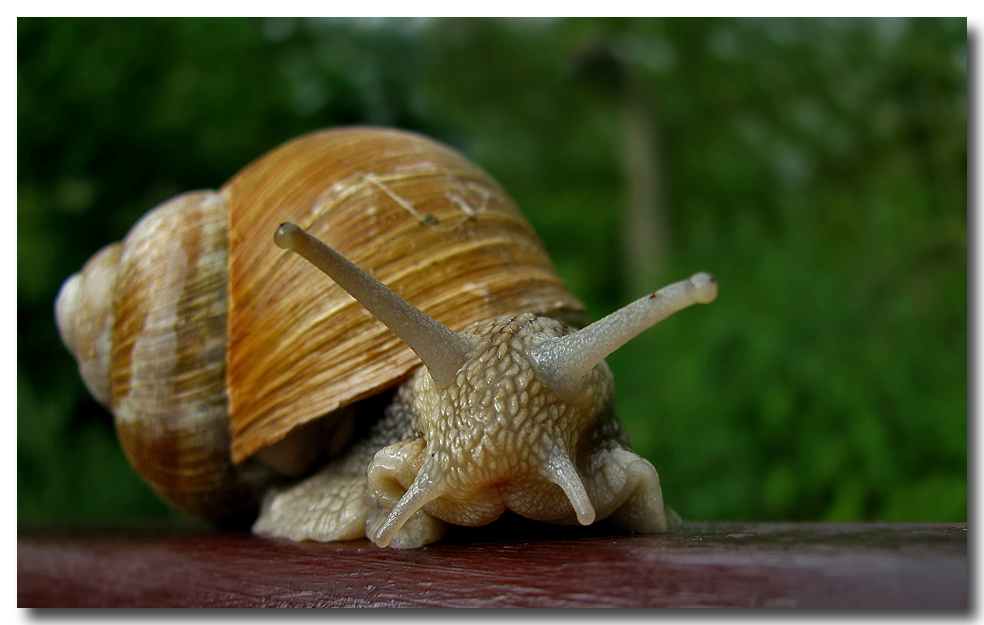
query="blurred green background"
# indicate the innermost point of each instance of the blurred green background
(818, 168)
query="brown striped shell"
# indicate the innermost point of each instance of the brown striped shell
(146, 319)
(223, 345)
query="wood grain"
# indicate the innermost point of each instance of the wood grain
(716, 564)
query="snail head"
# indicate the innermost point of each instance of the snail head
(514, 412)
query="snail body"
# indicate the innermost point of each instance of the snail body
(239, 379)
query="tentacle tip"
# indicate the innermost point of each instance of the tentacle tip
(705, 287)
(586, 517)
(381, 540)
(384, 534)
(287, 235)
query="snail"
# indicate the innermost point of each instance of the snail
(246, 384)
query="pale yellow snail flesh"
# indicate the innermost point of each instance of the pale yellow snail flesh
(511, 413)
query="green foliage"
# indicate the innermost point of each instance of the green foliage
(818, 168)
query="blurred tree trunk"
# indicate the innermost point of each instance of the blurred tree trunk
(644, 215)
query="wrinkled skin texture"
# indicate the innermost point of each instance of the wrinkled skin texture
(495, 439)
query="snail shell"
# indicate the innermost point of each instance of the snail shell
(211, 346)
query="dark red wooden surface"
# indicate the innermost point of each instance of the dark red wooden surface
(713, 564)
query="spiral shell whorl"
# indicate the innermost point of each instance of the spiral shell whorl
(84, 315)
(169, 347)
(146, 320)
